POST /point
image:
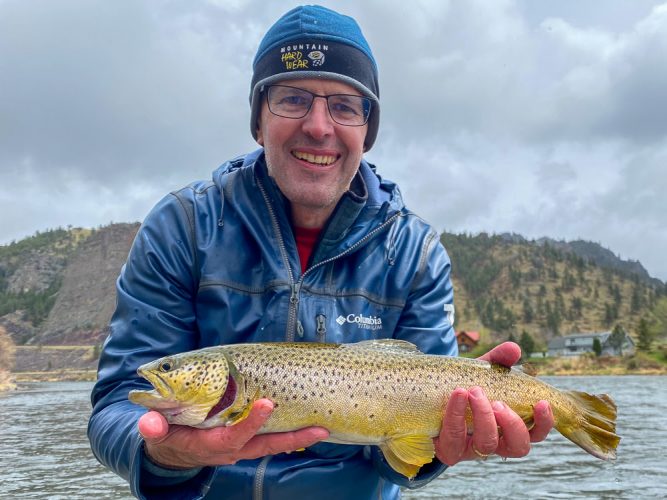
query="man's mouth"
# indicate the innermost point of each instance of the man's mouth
(322, 160)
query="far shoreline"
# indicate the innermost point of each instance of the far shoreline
(91, 375)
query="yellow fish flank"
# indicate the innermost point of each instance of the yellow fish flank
(378, 392)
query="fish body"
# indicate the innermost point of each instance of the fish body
(380, 392)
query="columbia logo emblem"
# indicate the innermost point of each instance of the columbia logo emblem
(365, 322)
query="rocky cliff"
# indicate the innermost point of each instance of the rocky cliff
(86, 298)
(58, 287)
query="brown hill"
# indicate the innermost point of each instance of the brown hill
(86, 299)
(58, 287)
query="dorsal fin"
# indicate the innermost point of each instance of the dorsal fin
(387, 345)
(527, 368)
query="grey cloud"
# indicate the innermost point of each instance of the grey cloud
(542, 118)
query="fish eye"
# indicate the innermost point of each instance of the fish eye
(165, 366)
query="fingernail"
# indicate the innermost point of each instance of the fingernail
(498, 405)
(476, 392)
(265, 410)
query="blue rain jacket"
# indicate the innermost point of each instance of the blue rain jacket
(216, 263)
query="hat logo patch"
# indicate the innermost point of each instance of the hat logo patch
(317, 57)
(292, 56)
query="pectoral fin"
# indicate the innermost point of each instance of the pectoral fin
(406, 454)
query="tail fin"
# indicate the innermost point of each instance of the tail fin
(593, 426)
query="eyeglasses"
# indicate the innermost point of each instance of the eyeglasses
(293, 102)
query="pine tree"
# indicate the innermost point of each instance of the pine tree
(597, 347)
(527, 344)
(617, 338)
(644, 335)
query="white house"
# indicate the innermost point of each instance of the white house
(578, 344)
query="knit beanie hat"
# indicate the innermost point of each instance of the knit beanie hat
(314, 42)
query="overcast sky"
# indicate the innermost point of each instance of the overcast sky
(545, 118)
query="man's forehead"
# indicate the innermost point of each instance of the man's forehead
(320, 85)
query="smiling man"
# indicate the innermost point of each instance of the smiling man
(298, 241)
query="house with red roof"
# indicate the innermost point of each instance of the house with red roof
(467, 341)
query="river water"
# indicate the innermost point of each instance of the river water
(44, 451)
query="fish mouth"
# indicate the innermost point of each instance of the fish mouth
(159, 384)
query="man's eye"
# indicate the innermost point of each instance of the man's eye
(345, 109)
(293, 100)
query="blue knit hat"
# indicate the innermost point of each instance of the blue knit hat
(314, 42)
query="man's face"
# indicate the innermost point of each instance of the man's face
(312, 159)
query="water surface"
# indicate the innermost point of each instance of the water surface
(44, 452)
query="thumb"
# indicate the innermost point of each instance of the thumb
(153, 426)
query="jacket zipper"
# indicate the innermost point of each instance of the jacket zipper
(292, 323)
(258, 486)
(294, 299)
(294, 326)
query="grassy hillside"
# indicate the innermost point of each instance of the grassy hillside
(31, 271)
(57, 287)
(508, 286)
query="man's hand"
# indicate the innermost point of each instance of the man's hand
(186, 447)
(497, 429)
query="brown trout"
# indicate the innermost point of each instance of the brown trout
(378, 392)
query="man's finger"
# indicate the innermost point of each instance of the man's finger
(544, 421)
(506, 354)
(283, 442)
(516, 440)
(453, 438)
(485, 433)
(153, 426)
(237, 435)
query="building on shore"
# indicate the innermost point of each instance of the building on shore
(581, 343)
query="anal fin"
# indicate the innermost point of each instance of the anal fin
(407, 454)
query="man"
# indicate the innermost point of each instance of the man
(300, 241)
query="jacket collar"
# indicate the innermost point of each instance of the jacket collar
(369, 202)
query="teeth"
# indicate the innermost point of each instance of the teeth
(317, 159)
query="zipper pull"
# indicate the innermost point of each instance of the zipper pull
(320, 320)
(294, 298)
(299, 328)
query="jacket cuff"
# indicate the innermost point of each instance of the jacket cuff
(426, 474)
(154, 474)
(150, 480)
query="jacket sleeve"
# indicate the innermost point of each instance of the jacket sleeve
(428, 322)
(154, 316)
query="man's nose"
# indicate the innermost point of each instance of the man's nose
(318, 122)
